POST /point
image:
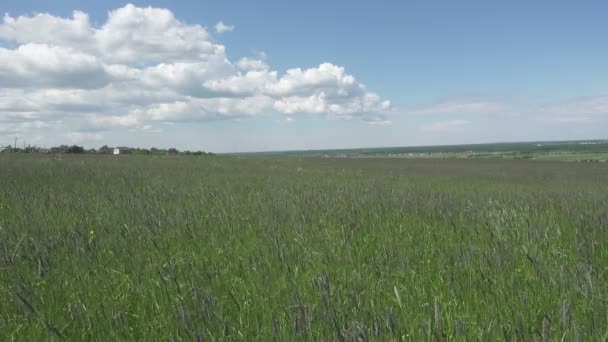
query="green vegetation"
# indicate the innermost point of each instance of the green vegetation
(580, 150)
(105, 149)
(94, 247)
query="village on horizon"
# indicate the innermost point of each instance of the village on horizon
(105, 149)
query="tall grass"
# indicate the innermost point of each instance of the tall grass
(220, 248)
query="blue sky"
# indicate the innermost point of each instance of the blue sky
(463, 72)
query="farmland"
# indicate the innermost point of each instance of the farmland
(576, 150)
(98, 247)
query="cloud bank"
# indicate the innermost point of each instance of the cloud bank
(144, 66)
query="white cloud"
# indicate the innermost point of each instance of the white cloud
(378, 120)
(146, 129)
(444, 126)
(130, 35)
(47, 29)
(147, 35)
(325, 89)
(80, 137)
(41, 65)
(577, 111)
(326, 77)
(315, 103)
(220, 27)
(144, 65)
(19, 127)
(206, 109)
(116, 120)
(380, 123)
(248, 64)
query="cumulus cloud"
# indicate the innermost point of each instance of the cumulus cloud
(148, 35)
(248, 64)
(41, 65)
(144, 65)
(220, 27)
(315, 103)
(44, 28)
(130, 35)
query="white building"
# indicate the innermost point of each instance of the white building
(122, 150)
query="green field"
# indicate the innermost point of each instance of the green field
(283, 248)
(576, 150)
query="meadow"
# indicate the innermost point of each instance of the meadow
(97, 247)
(574, 150)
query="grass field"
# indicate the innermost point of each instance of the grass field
(263, 248)
(576, 150)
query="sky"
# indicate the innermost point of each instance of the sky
(239, 76)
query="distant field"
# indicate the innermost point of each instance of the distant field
(583, 150)
(284, 248)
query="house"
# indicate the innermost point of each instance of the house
(122, 150)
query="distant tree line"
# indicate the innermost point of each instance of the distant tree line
(75, 149)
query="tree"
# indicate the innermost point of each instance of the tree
(105, 150)
(59, 149)
(75, 149)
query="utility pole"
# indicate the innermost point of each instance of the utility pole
(15, 143)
